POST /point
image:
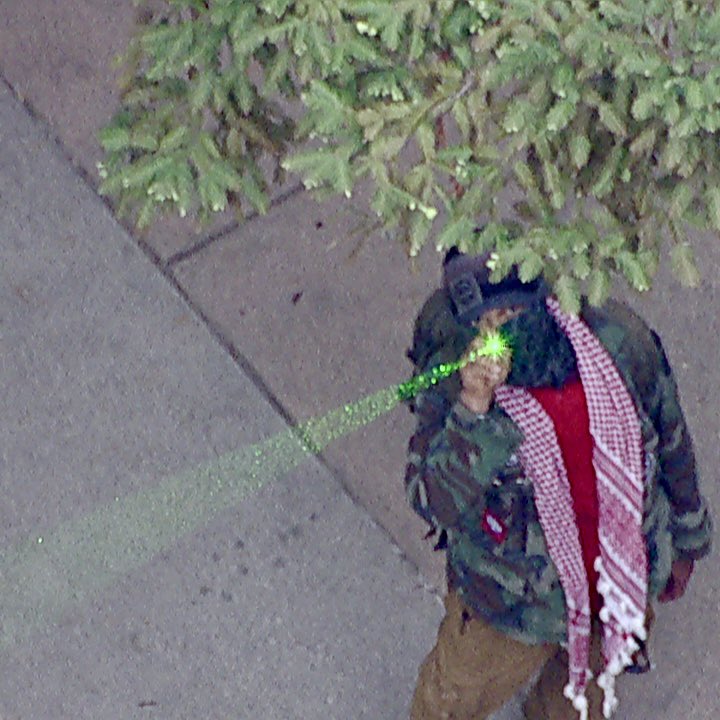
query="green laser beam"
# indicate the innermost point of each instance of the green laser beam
(495, 345)
(43, 575)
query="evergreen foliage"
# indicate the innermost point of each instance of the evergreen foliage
(615, 100)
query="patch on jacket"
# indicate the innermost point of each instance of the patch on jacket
(494, 527)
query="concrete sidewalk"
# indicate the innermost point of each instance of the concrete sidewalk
(127, 361)
(293, 604)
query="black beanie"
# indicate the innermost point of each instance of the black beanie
(467, 281)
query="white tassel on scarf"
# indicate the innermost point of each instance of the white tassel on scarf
(618, 463)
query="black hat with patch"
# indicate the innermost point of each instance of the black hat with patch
(467, 282)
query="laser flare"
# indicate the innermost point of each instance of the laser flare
(46, 573)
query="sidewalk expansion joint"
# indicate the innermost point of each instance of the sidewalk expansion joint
(222, 232)
(165, 269)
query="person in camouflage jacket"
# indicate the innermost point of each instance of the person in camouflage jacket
(465, 479)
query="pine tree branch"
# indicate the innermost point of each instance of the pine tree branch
(255, 133)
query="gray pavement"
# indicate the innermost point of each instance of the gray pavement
(292, 604)
(128, 362)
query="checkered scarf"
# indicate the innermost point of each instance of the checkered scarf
(617, 459)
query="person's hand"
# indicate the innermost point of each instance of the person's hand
(481, 377)
(679, 578)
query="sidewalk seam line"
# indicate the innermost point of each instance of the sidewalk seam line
(240, 361)
(211, 238)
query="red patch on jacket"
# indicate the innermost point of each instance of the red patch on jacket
(494, 527)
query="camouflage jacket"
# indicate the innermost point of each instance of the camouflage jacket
(460, 463)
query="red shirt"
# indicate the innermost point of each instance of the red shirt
(567, 409)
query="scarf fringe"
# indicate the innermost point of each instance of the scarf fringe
(578, 699)
(623, 584)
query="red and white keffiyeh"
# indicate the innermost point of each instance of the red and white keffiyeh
(618, 463)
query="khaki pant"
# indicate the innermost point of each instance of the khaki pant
(473, 670)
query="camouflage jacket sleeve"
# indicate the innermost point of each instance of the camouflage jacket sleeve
(691, 524)
(454, 454)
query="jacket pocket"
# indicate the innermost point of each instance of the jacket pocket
(508, 500)
(497, 525)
